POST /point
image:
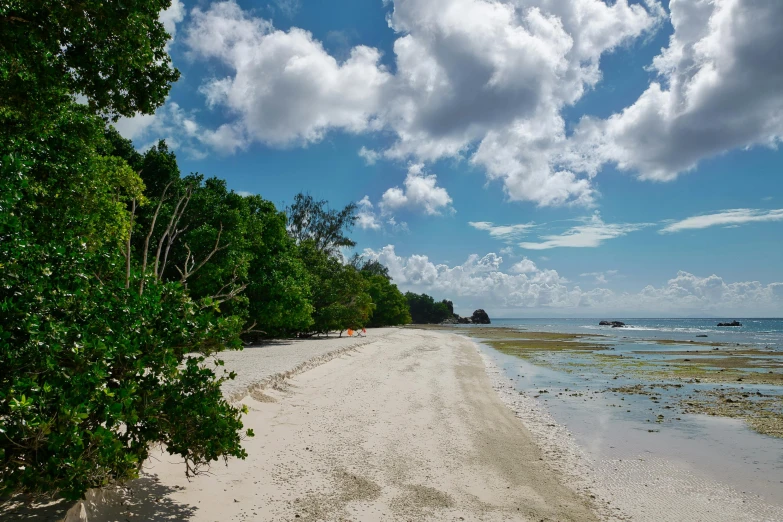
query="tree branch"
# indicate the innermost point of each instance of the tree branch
(128, 245)
(186, 272)
(174, 218)
(149, 235)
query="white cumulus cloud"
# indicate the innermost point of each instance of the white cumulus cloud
(718, 89)
(285, 89)
(365, 216)
(172, 16)
(480, 282)
(370, 156)
(480, 75)
(488, 80)
(420, 193)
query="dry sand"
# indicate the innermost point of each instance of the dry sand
(407, 427)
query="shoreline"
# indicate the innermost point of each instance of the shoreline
(652, 485)
(711, 375)
(407, 427)
(411, 424)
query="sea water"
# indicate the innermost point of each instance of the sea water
(755, 332)
(614, 427)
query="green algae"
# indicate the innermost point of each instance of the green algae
(721, 365)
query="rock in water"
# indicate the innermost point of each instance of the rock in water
(480, 317)
(604, 323)
(733, 323)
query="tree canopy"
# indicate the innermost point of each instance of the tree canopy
(112, 53)
(313, 220)
(120, 277)
(425, 310)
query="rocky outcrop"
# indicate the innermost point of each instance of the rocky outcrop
(480, 317)
(613, 324)
(733, 323)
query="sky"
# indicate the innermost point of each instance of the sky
(535, 158)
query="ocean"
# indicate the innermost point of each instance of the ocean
(633, 426)
(755, 332)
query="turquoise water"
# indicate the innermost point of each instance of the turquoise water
(757, 332)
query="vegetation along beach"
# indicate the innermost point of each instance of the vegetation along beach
(391, 260)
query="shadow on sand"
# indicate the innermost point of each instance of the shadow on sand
(142, 499)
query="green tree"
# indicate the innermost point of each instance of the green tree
(339, 292)
(93, 347)
(424, 309)
(112, 53)
(95, 371)
(278, 283)
(312, 220)
(391, 307)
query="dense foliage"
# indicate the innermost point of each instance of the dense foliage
(112, 53)
(120, 278)
(93, 346)
(425, 310)
(391, 306)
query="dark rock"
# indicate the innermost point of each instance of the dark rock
(480, 317)
(604, 323)
(733, 323)
(613, 324)
(464, 320)
(702, 335)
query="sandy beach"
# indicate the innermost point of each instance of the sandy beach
(402, 425)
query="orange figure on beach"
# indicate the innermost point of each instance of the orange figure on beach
(350, 332)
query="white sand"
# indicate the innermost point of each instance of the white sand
(407, 427)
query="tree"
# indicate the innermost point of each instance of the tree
(311, 220)
(95, 371)
(339, 292)
(391, 306)
(278, 283)
(374, 267)
(424, 309)
(97, 351)
(112, 53)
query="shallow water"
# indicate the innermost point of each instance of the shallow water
(714, 448)
(756, 332)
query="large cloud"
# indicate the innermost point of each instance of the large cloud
(480, 282)
(719, 89)
(284, 88)
(487, 76)
(497, 74)
(488, 80)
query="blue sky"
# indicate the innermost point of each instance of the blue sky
(531, 157)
